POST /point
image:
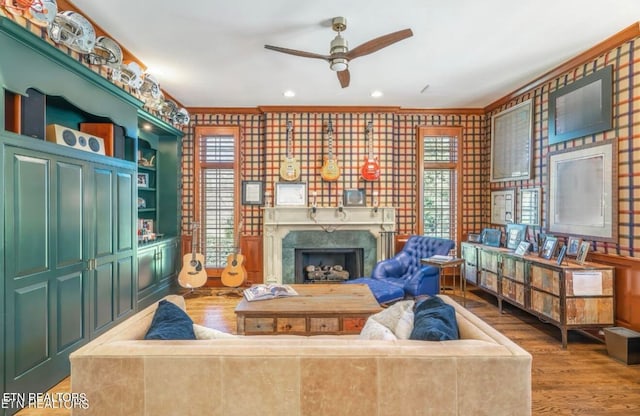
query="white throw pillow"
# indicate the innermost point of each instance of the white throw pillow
(202, 332)
(386, 323)
(375, 330)
(405, 324)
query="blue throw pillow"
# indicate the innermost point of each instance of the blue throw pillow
(170, 322)
(434, 321)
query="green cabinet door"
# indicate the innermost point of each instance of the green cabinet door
(157, 269)
(111, 226)
(168, 262)
(45, 289)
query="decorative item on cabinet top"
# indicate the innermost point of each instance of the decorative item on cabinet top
(39, 12)
(73, 30)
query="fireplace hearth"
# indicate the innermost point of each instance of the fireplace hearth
(326, 265)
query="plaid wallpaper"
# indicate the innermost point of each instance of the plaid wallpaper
(263, 145)
(626, 130)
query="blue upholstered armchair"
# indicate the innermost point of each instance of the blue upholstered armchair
(405, 271)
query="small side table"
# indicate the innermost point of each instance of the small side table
(452, 263)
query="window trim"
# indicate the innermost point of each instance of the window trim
(451, 131)
(197, 167)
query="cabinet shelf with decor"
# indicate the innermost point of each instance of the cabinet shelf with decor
(158, 160)
(569, 295)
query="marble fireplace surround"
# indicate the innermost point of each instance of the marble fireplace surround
(285, 227)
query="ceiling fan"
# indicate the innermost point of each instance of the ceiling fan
(339, 53)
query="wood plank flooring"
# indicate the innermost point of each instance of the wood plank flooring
(581, 380)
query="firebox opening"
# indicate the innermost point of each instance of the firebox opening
(324, 265)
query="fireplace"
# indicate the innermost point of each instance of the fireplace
(327, 265)
(289, 228)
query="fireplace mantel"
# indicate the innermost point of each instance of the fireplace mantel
(280, 221)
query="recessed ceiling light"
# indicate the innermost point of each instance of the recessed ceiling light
(147, 126)
(377, 94)
(289, 93)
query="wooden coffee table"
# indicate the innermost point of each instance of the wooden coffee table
(319, 309)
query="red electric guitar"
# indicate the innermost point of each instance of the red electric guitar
(330, 170)
(371, 169)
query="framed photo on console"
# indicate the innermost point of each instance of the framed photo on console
(515, 234)
(549, 247)
(573, 245)
(491, 237)
(523, 248)
(583, 251)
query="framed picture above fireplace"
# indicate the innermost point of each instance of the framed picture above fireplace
(291, 194)
(353, 198)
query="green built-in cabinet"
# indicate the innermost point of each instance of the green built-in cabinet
(69, 257)
(157, 268)
(69, 252)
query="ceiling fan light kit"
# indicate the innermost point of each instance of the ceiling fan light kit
(339, 53)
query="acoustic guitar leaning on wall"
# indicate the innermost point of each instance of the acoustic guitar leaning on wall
(234, 273)
(193, 273)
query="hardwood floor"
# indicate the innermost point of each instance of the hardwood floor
(581, 380)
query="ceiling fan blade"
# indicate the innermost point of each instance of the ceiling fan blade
(297, 53)
(344, 77)
(379, 43)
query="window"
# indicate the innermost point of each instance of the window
(217, 193)
(439, 182)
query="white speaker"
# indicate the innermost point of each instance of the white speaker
(74, 138)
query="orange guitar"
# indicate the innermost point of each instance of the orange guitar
(290, 167)
(371, 169)
(193, 273)
(330, 171)
(234, 273)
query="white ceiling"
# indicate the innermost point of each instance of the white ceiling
(210, 53)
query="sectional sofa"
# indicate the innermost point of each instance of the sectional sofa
(483, 373)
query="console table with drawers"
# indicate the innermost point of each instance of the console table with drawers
(569, 295)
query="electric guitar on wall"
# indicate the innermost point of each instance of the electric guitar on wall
(371, 169)
(193, 273)
(290, 167)
(330, 171)
(234, 273)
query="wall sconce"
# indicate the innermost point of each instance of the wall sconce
(375, 201)
(314, 206)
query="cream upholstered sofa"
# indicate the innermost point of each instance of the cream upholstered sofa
(483, 373)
